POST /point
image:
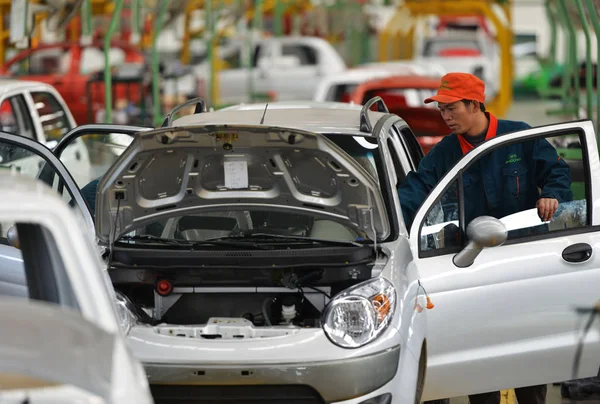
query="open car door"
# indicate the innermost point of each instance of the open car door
(506, 289)
(103, 143)
(34, 160)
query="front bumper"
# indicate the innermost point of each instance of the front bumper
(333, 380)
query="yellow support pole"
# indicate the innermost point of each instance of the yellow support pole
(384, 46)
(400, 33)
(187, 35)
(508, 397)
(500, 104)
(5, 11)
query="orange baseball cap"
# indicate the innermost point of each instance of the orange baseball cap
(459, 86)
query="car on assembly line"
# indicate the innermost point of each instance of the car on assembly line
(71, 68)
(60, 340)
(261, 250)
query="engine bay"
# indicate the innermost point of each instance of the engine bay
(211, 300)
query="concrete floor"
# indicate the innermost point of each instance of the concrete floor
(535, 113)
(553, 397)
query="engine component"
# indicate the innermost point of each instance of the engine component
(288, 309)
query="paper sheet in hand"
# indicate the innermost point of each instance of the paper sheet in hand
(236, 174)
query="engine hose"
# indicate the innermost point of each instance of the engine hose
(264, 311)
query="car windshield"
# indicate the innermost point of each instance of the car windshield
(434, 46)
(258, 225)
(247, 223)
(341, 92)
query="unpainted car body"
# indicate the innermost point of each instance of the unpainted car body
(69, 67)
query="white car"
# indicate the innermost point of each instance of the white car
(61, 342)
(339, 88)
(485, 63)
(37, 111)
(264, 244)
(288, 67)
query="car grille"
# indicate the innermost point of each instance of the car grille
(284, 394)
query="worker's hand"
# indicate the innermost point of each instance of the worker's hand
(546, 208)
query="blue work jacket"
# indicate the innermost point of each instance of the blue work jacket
(508, 180)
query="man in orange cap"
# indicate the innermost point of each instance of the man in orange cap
(496, 185)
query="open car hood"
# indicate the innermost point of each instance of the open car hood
(175, 171)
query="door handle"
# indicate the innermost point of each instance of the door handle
(579, 252)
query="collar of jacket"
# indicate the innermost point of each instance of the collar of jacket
(466, 147)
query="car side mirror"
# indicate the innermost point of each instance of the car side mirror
(482, 232)
(13, 237)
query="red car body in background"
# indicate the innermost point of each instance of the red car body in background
(404, 96)
(69, 66)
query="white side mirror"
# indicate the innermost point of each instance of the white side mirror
(482, 232)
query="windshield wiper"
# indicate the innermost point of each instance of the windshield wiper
(154, 239)
(281, 237)
(192, 243)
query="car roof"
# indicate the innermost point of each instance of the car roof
(10, 85)
(311, 116)
(401, 81)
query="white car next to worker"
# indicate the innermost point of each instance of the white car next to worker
(261, 250)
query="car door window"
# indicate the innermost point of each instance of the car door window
(43, 62)
(259, 53)
(410, 144)
(54, 119)
(14, 117)
(341, 92)
(306, 54)
(16, 159)
(93, 60)
(26, 157)
(507, 183)
(88, 153)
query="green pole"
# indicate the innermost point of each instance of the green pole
(596, 24)
(86, 18)
(107, 71)
(571, 60)
(553, 33)
(162, 10)
(278, 18)
(209, 34)
(589, 88)
(257, 24)
(135, 20)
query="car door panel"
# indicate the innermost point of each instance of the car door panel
(99, 144)
(30, 158)
(509, 319)
(526, 316)
(296, 81)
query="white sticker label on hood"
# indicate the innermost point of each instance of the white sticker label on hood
(236, 174)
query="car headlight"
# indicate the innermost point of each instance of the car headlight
(125, 312)
(360, 314)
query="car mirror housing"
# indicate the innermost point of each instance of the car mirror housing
(482, 232)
